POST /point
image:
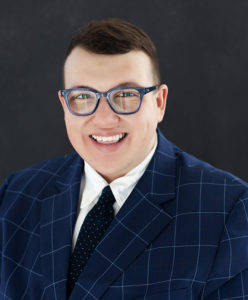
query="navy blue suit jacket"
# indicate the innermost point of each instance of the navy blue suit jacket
(181, 234)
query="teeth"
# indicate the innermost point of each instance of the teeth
(113, 138)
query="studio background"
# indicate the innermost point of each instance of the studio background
(203, 53)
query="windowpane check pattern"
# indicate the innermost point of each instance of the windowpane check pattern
(181, 234)
(95, 224)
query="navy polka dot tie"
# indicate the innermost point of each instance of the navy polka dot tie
(91, 232)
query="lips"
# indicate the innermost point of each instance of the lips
(108, 139)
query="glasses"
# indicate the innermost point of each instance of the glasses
(122, 100)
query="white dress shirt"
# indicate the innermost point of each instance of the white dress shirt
(92, 184)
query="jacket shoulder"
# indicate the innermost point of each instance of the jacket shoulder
(191, 164)
(38, 174)
(212, 184)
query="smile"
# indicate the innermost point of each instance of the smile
(109, 139)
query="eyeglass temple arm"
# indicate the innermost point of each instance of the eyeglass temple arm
(147, 90)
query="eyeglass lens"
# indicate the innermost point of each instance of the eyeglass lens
(123, 101)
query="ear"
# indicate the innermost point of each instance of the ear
(161, 100)
(62, 100)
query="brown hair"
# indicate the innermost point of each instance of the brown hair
(115, 36)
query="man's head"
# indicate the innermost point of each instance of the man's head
(105, 55)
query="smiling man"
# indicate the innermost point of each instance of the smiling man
(128, 215)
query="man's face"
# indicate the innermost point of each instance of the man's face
(103, 72)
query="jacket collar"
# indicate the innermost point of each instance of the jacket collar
(140, 220)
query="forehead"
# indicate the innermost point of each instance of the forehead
(102, 72)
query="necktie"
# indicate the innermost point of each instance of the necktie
(91, 232)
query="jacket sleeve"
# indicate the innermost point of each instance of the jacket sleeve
(3, 188)
(228, 278)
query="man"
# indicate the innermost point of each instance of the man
(128, 215)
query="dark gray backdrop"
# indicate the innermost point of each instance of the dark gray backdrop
(202, 47)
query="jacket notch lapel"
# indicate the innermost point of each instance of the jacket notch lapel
(57, 223)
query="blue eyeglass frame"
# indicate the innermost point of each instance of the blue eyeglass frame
(142, 91)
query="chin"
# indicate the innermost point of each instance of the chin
(110, 172)
(106, 171)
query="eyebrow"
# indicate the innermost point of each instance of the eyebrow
(122, 84)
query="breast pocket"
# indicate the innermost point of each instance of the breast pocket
(179, 294)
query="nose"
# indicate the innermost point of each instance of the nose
(104, 116)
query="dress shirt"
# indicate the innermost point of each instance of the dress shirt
(92, 184)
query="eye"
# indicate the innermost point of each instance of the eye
(83, 96)
(126, 94)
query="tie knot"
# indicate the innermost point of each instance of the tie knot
(107, 196)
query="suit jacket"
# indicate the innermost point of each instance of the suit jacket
(181, 234)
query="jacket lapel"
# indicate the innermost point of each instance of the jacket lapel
(57, 222)
(137, 224)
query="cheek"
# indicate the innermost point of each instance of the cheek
(74, 127)
(146, 125)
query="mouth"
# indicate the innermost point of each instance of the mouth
(109, 140)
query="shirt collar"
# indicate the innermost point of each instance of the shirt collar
(121, 187)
